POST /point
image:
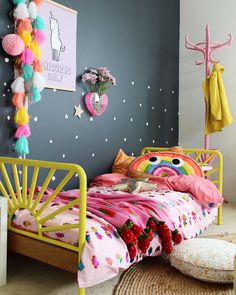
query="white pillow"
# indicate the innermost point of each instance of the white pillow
(209, 260)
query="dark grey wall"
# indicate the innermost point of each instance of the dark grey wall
(138, 41)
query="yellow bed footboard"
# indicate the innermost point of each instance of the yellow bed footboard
(18, 180)
(211, 161)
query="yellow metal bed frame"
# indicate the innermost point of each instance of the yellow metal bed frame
(19, 177)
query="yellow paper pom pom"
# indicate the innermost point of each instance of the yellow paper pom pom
(35, 49)
(26, 37)
(22, 116)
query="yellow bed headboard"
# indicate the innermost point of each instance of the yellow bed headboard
(18, 180)
(211, 162)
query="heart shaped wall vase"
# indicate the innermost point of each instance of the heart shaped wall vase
(95, 104)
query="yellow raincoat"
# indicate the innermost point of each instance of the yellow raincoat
(218, 114)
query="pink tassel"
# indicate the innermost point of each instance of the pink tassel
(27, 56)
(39, 36)
(23, 130)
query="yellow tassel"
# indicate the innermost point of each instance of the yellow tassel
(36, 49)
(21, 116)
(26, 37)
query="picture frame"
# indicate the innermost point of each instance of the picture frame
(59, 49)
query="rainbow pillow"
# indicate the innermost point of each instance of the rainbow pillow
(162, 164)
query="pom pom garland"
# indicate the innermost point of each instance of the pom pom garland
(13, 44)
(21, 11)
(29, 82)
(18, 100)
(35, 49)
(23, 130)
(38, 2)
(21, 116)
(24, 25)
(33, 10)
(38, 24)
(18, 85)
(39, 36)
(27, 72)
(16, 2)
(26, 37)
(27, 56)
(22, 146)
(38, 81)
(35, 95)
(37, 65)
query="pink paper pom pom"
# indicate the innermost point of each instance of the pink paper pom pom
(39, 36)
(27, 56)
(13, 44)
(23, 130)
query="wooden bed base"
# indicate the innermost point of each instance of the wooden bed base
(44, 252)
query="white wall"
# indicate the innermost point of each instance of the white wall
(220, 15)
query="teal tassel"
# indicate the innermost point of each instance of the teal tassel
(35, 94)
(27, 71)
(21, 146)
(38, 24)
(16, 2)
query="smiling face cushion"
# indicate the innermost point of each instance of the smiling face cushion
(163, 164)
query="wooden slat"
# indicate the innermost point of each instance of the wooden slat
(50, 254)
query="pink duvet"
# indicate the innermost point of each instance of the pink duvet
(105, 253)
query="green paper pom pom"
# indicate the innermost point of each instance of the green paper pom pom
(38, 24)
(16, 2)
(21, 146)
(35, 94)
(27, 72)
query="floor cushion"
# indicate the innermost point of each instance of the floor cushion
(210, 260)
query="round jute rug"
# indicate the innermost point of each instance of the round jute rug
(155, 276)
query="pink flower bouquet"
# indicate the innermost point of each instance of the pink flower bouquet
(98, 80)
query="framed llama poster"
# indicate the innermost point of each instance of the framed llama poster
(59, 50)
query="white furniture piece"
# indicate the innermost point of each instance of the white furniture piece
(3, 241)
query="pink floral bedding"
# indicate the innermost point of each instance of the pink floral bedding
(105, 253)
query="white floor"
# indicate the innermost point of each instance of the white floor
(29, 277)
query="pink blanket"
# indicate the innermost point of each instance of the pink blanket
(118, 207)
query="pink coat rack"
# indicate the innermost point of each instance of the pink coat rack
(207, 48)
